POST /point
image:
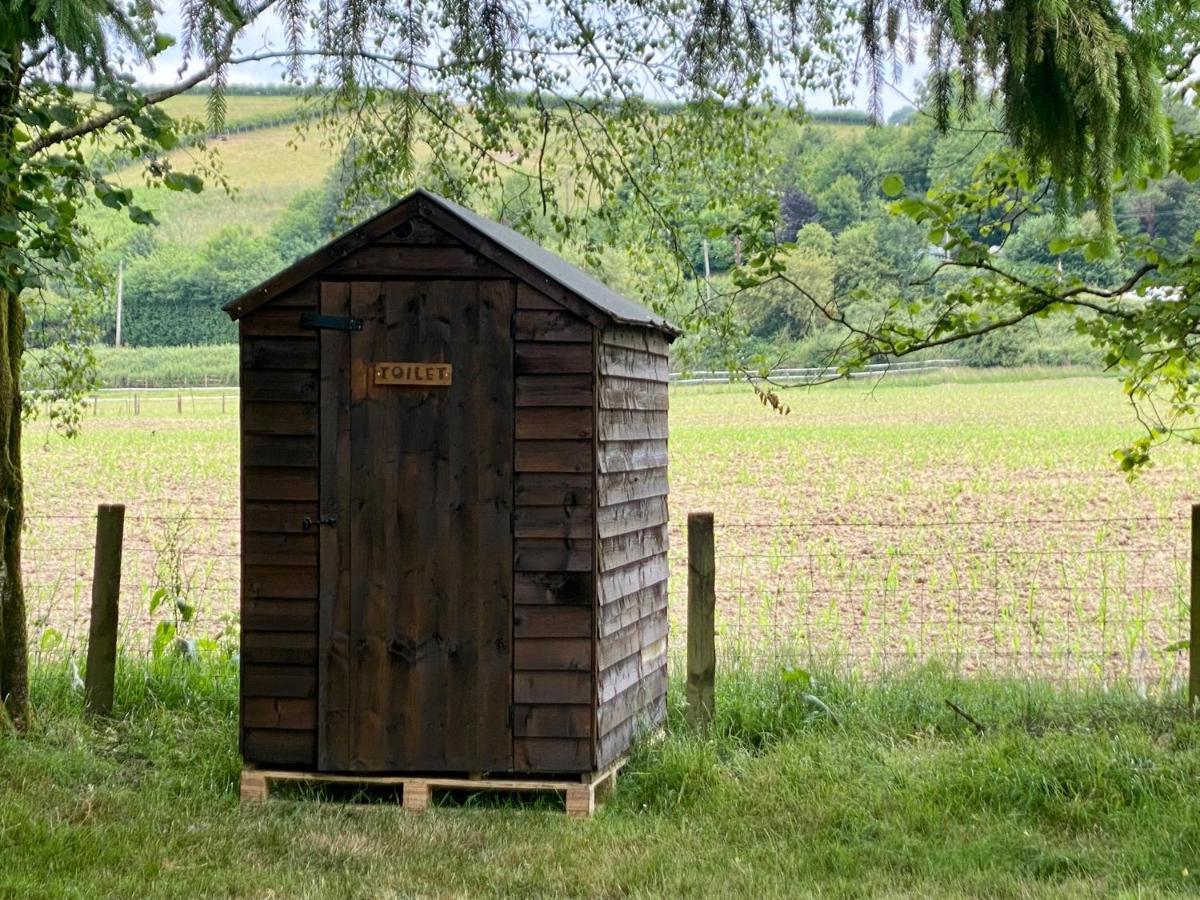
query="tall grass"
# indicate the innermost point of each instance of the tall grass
(878, 789)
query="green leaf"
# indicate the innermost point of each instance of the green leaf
(1177, 647)
(179, 181)
(797, 676)
(1059, 245)
(163, 635)
(50, 639)
(157, 598)
(893, 185)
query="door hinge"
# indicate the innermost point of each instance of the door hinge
(316, 321)
(512, 714)
(313, 523)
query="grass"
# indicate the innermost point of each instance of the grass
(1066, 793)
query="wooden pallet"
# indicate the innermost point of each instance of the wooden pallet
(581, 796)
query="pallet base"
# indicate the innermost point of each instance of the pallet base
(581, 796)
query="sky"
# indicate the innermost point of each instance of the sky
(267, 32)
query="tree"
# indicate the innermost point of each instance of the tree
(474, 87)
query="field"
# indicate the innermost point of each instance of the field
(972, 519)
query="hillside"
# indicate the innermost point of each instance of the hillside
(267, 169)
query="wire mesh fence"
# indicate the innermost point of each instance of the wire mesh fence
(1103, 601)
(1096, 600)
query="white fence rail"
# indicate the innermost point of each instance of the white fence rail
(810, 375)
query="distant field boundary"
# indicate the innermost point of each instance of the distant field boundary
(812, 375)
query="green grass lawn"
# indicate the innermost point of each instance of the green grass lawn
(1065, 794)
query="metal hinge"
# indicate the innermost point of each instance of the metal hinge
(316, 321)
(512, 713)
(309, 522)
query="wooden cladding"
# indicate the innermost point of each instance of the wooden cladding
(569, 636)
(631, 528)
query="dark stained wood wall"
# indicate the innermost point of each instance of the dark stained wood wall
(279, 370)
(631, 529)
(553, 591)
(589, 517)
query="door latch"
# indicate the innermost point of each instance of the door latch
(309, 523)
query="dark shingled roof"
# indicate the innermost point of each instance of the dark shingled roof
(620, 309)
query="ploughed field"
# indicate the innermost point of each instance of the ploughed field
(976, 519)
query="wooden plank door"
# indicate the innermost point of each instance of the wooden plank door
(416, 573)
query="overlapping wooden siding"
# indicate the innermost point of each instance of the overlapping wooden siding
(279, 369)
(553, 650)
(631, 531)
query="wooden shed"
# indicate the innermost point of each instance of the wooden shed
(454, 506)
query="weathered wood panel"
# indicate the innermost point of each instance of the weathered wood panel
(273, 321)
(286, 647)
(398, 261)
(635, 515)
(550, 687)
(551, 755)
(552, 621)
(624, 549)
(287, 516)
(278, 483)
(280, 353)
(632, 424)
(294, 385)
(631, 525)
(624, 363)
(553, 423)
(279, 450)
(629, 393)
(634, 338)
(554, 456)
(554, 390)
(544, 358)
(554, 587)
(632, 456)
(546, 325)
(554, 654)
(289, 713)
(279, 681)
(622, 487)
(279, 615)
(279, 418)
(279, 748)
(543, 555)
(563, 490)
(279, 582)
(333, 694)
(552, 522)
(273, 548)
(543, 721)
(278, 455)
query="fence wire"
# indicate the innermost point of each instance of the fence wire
(1103, 601)
(1096, 600)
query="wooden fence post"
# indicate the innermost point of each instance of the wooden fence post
(701, 621)
(1194, 631)
(106, 592)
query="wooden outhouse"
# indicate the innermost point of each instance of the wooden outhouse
(454, 506)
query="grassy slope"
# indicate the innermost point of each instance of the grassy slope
(265, 170)
(1064, 794)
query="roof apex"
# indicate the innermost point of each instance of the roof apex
(620, 309)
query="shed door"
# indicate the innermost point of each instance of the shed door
(416, 570)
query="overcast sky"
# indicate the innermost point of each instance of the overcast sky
(267, 32)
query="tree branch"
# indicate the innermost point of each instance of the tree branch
(106, 118)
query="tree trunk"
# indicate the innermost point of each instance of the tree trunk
(14, 656)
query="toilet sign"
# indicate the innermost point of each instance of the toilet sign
(413, 374)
